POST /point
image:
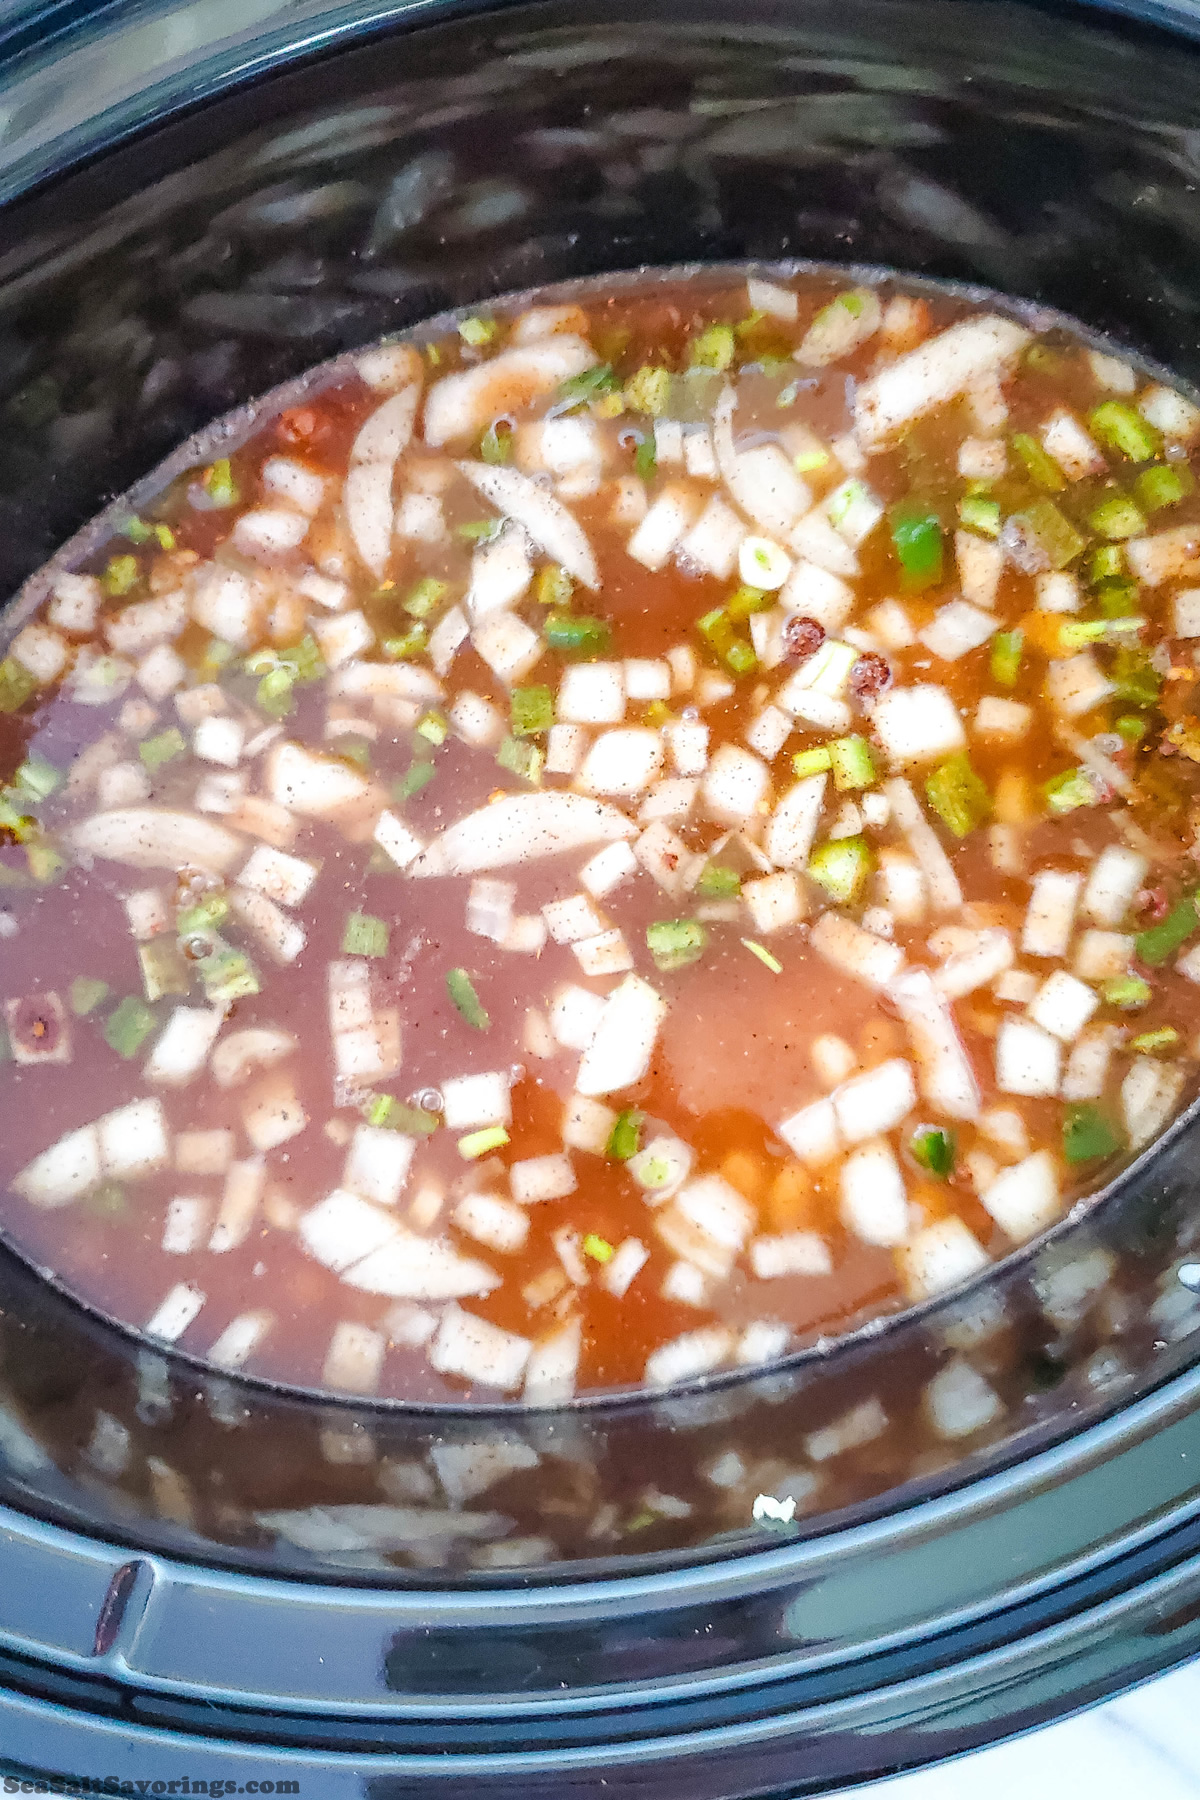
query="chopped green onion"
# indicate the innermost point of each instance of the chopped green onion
(674, 943)
(918, 543)
(1087, 1134)
(980, 514)
(1128, 992)
(121, 573)
(1065, 792)
(206, 915)
(522, 758)
(532, 710)
(553, 586)
(625, 1138)
(479, 531)
(841, 866)
(461, 990)
(1165, 485)
(1123, 429)
(426, 597)
(156, 751)
(128, 1026)
(719, 882)
(1039, 465)
(764, 955)
(1073, 634)
(1054, 533)
(479, 1143)
(86, 993)
(477, 332)
(417, 776)
(853, 763)
(228, 975)
(1131, 728)
(365, 935)
(713, 349)
(1007, 650)
(37, 777)
(808, 461)
(1155, 944)
(16, 685)
(1149, 1043)
(716, 629)
(219, 484)
(746, 600)
(392, 1114)
(645, 458)
(577, 635)
(598, 1248)
(409, 644)
(812, 762)
(934, 1150)
(1117, 599)
(589, 385)
(958, 795)
(274, 693)
(495, 446)
(1134, 677)
(164, 537)
(136, 531)
(648, 391)
(433, 728)
(1119, 517)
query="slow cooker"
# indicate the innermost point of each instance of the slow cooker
(214, 1585)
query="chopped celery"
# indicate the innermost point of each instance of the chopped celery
(274, 693)
(1107, 563)
(645, 458)
(479, 531)
(719, 882)
(577, 635)
(121, 573)
(764, 955)
(44, 860)
(365, 935)
(852, 762)
(16, 685)
(164, 537)
(1134, 677)
(1165, 485)
(1007, 650)
(206, 915)
(648, 391)
(128, 1026)
(477, 332)
(156, 751)
(1158, 942)
(15, 823)
(598, 1248)
(481, 1143)
(434, 728)
(137, 531)
(521, 758)
(553, 586)
(808, 461)
(934, 1150)
(980, 514)
(716, 628)
(841, 866)
(219, 484)
(461, 990)
(1123, 429)
(403, 648)
(1073, 634)
(740, 658)
(1131, 728)
(164, 970)
(1087, 1134)
(587, 386)
(228, 975)
(1053, 532)
(812, 762)
(495, 446)
(532, 710)
(917, 539)
(37, 777)
(1149, 1043)
(625, 1138)
(426, 597)
(418, 775)
(1117, 599)
(1128, 992)
(1065, 792)
(1119, 517)
(657, 714)
(713, 349)
(1039, 466)
(86, 993)
(674, 943)
(746, 600)
(958, 795)
(394, 1115)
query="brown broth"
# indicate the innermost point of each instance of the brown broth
(734, 1059)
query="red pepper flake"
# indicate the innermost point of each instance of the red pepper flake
(870, 675)
(802, 638)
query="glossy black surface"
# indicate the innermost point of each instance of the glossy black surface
(912, 1610)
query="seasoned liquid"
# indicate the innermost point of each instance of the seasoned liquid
(609, 843)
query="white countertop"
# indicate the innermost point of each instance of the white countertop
(1145, 1746)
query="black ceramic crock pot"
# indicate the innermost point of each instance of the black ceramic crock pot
(204, 1580)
